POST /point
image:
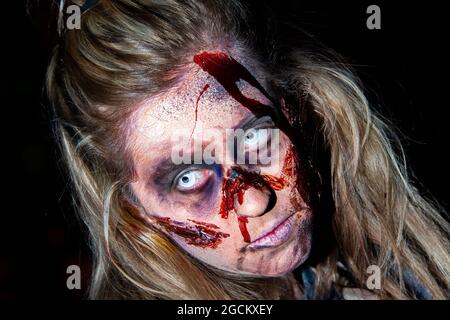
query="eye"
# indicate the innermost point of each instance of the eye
(192, 180)
(255, 138)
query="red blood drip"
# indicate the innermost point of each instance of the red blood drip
(200, 234)
(196, 106)
(243, 227)
(241, 196)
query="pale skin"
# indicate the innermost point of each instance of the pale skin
(187, 193)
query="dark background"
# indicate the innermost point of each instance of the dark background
(404, 65)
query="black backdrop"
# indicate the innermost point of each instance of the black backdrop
(404, 64)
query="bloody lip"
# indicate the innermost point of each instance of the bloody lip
(277, 236)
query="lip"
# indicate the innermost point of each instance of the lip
(275, 237)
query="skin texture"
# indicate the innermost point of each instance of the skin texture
(265, 195)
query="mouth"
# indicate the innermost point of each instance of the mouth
(277, 236)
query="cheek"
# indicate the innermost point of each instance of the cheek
(187, 220)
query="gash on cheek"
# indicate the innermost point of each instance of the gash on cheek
(201, 234)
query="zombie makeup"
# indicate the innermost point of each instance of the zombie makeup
(240, 217)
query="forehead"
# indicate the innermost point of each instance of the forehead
(198, 99)
(196, 93)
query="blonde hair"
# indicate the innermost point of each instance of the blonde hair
(128, 50)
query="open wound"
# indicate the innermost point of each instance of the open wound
(201, 234)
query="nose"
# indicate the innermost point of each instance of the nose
(254, 202)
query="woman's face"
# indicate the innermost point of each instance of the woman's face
(217, 175)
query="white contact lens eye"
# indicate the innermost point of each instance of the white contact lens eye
(192, 180)
(251, 137)
(255, 137)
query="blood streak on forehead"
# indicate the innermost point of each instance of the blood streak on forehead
(227, 71)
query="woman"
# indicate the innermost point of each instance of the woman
(142, 83)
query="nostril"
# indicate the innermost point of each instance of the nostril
(272, 200)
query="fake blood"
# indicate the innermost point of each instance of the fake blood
(201, 234)
(227, 71)
(235, 183)
(196, 105)
(243, 227)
